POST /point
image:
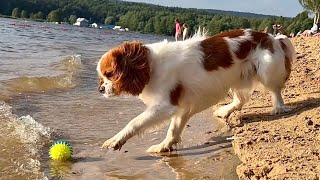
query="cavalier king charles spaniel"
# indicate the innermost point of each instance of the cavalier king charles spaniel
(179, 79)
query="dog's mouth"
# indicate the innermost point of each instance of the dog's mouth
(108, 95)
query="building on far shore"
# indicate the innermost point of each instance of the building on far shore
(118, 28)
(82, 22)
(94, 25)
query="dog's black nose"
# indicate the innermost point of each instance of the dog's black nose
(102, 89)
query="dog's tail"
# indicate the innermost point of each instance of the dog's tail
(289, 52)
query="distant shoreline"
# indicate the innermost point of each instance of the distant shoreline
(11, 17)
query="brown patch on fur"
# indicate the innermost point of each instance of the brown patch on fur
(245, 47)
(288, 60)
(259, 38)
(128, 68)
(216, 53)
(175, 94)
(231, 34)
(263, 39)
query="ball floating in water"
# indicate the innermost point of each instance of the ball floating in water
(60, 150)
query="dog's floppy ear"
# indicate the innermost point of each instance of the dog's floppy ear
(131, 68)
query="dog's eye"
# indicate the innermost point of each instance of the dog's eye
(108, 74)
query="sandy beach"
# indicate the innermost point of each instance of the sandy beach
(285, 146)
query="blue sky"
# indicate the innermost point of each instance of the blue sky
(288, 8)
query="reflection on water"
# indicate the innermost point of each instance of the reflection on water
(60, 169)
(48, 83)
(211, 160)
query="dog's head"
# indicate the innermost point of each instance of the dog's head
(124, 69)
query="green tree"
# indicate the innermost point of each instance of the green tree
(312, 6)
(72, 19)
(24, 14)
(300, 23)
(37, 16)
(109, 20)
(267, 22)
(244, 23)
(149, 27)
(141, 26)
(40, 15)
(54, 16)
(15, 13)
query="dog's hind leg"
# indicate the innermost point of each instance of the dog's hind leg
(177, 125)
(240, 97)
(273, 74)
(277, 101)
(275, 86)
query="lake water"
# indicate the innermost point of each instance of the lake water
(48, 91)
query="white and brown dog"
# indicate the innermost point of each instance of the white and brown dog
(179, 79)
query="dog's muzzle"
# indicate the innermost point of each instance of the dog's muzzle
(106, 90)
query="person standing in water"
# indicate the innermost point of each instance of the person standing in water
(178, 29)
(185, 31)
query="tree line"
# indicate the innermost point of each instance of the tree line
(146, 18)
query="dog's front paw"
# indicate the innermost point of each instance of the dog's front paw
(159, 148)
(115, 143)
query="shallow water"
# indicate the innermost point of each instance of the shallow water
(48, 91)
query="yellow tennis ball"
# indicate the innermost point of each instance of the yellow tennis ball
(60, 150)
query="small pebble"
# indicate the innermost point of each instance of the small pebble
(309, 123)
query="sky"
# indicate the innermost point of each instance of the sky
(286, 8)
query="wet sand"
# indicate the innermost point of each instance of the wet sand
(285, 146)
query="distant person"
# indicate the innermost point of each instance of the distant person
(277, 29)
(185, 31)
(178, 29)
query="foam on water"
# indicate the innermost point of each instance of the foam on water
(21, 140)
(70, 64)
